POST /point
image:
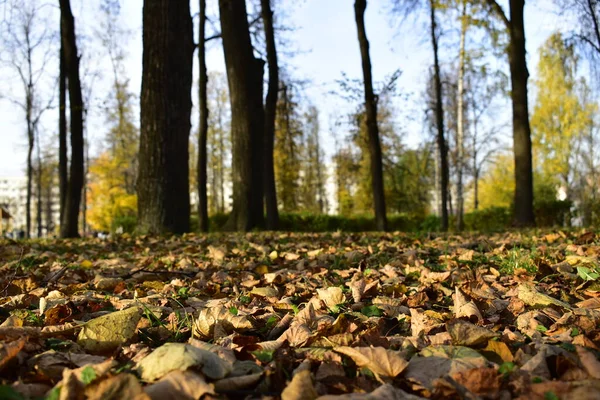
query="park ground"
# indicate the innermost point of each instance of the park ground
(298, 316)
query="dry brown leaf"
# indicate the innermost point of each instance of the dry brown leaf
(9, 350)
(184, 385)
(122, 386)
(464, 333)
(300, 388)
(332, 297)
(589, 362)
(381, 361)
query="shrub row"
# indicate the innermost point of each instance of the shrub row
(548, 214)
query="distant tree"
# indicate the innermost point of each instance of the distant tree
(460, 128)
(63, 157)
(439, 117)
(244, 75)
(288, 148)
(219, 142)
(69, 223)
(163, 182)
(497, 185)
(270, 116)
(559, 117)
(375, 153)
(313, 181)
(519, 74)
(203, 121)
(587, 13)
(25, 40)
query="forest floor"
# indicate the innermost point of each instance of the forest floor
(298, 316)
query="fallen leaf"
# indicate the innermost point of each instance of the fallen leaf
(185, 385)
(464, 333)
(382, 362)
(208, 317)
(109, 331)
(179, 356)
(300, 388)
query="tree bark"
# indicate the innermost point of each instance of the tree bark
(460, 134)
(163, 180)
(243, 73)
(63, 177)
(524, 215)
(29, 170)
(439, 118)
(69, 224)
(203, 122)
(270, 115)
(39, 190)
(371, 113)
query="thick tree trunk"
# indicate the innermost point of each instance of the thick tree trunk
(203, 122)
(524, 215)
(270, 114)
(63, 177)
(460, 134)
(439, 118)
(163, 181)
(246, 101)
(69, 224)
(371, 112)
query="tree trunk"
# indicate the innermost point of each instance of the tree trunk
(166, 103)
(29, 171)
(371, 112)
(63, 162)
(270, 114)
(460, 134)
(258, 145)
(39, 190)
(245, 97)
(524, 215)
(69, 224)
(439, 117)
(203, 122)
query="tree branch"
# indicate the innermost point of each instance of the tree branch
(497, 9)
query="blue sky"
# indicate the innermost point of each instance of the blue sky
(327, 46)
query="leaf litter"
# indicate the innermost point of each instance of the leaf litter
(302, 316)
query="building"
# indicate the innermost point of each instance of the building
(13, 198)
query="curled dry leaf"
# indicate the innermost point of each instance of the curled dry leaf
(381, 361)
(465, 308)
(357, 286)
(297, 335)
(217, 254)
(208, 317)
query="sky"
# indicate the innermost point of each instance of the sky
(325, 45)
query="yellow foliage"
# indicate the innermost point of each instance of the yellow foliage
(107, 196)
(497, 187)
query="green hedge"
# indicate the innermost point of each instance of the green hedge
(548, 214)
